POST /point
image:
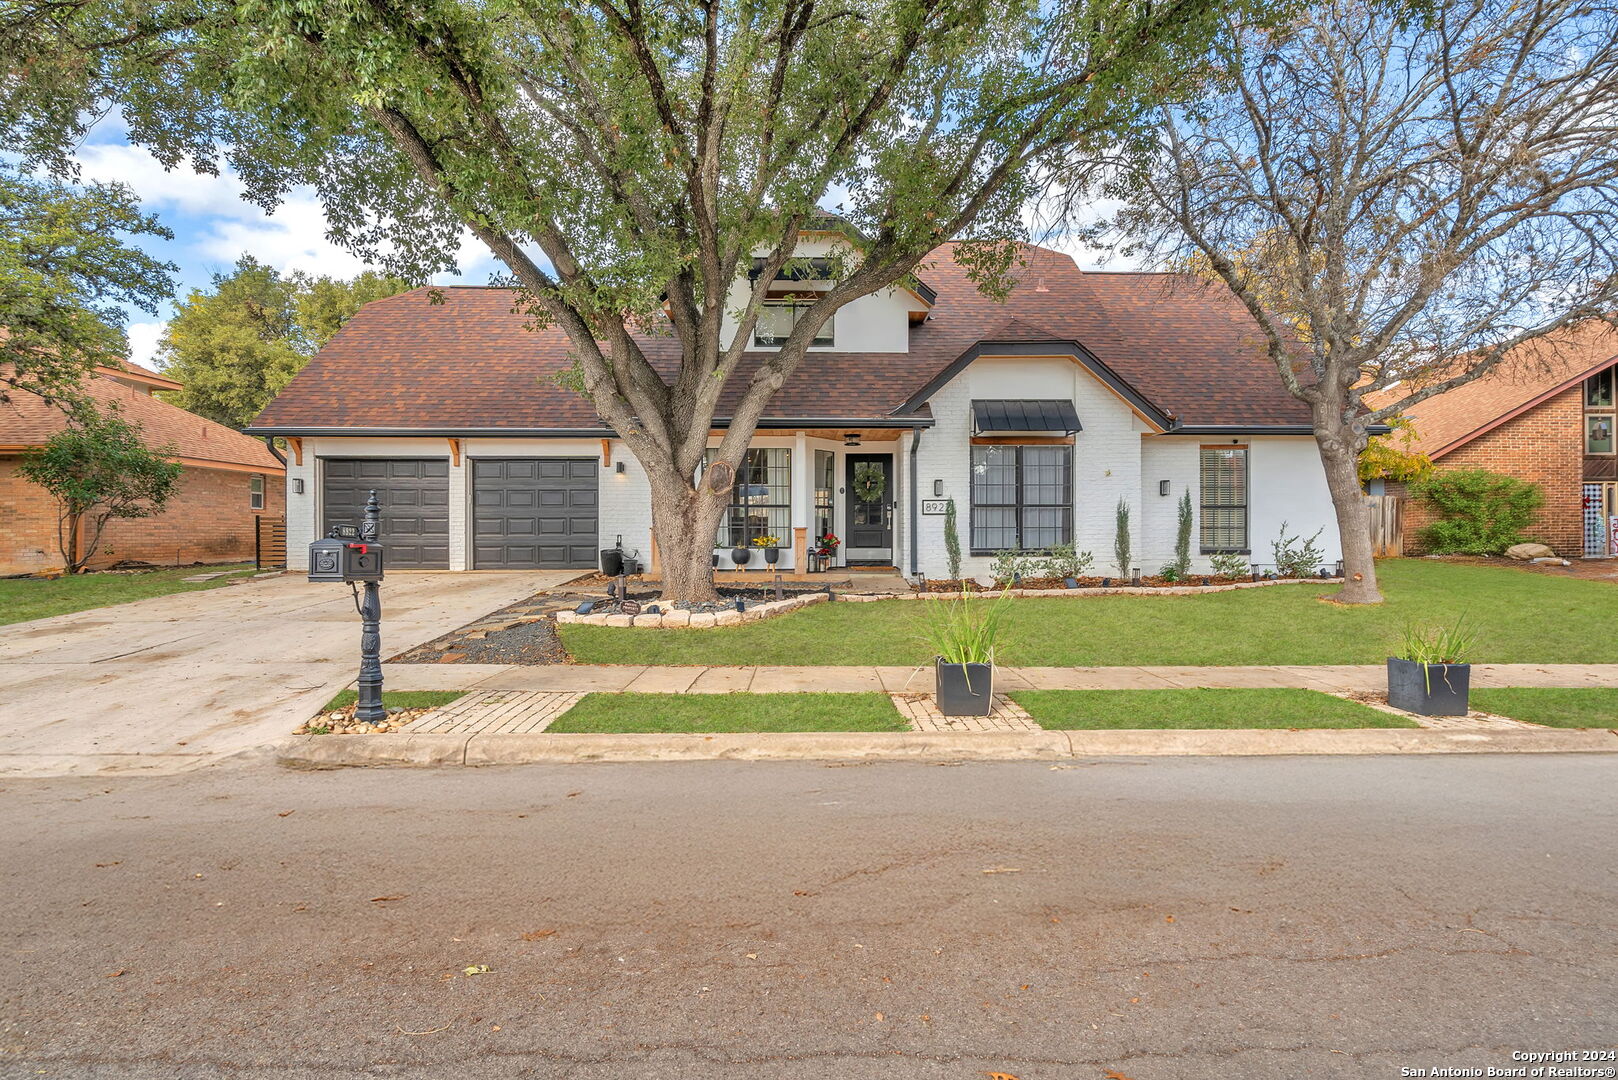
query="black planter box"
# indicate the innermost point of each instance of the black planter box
(965, 689)
(1429, 689)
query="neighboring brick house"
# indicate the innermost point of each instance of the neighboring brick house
(230, 479)
(1545, 415)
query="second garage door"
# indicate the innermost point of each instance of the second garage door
(414, 493)
(534, 513)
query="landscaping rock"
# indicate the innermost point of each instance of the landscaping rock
(677, 618)
(705, 619)
(620, 620)
(1529, 551)
(648, 620)
(723, 618)
(1552, 561)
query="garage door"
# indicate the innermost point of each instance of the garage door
(414, 493)
(534, 513)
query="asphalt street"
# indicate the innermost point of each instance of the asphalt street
(1118, 920)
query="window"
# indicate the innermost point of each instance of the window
(1598, 433)
(1224, 499)
(761, 501)
(825, 493)
(777, 318)
(1598, 390)
(1022, 497)
(255, 492)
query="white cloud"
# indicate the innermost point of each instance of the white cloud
(182, 189)
(143, 338)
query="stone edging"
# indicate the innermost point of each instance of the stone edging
(707, 620)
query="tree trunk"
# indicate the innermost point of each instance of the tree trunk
(685, 521)
(1339, 453)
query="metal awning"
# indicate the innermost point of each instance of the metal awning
(1054, 415)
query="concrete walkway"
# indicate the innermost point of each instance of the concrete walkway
(173, 682)
(580, 678)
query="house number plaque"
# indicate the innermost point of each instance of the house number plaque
(935, 506)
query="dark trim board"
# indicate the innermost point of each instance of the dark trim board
(770, 424)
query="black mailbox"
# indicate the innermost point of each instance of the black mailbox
(337, 558)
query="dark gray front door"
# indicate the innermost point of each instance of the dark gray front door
(534, 513)
(870, 514)
(414, 493)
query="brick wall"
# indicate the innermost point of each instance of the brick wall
(209, 520)
(1544, 446)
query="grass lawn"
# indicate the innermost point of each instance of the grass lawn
(1571, 708)
(662, 713)
(397, 699)
(22, 599)
(1071, 710)
(1518, 617)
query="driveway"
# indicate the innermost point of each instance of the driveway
(170, 683)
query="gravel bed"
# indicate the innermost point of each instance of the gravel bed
(525, 643)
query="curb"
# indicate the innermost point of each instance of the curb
(339, 751)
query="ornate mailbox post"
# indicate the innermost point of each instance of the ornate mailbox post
(354, 556)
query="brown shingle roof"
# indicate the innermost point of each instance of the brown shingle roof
(1526, 377)
(26, 420)
(470, 362)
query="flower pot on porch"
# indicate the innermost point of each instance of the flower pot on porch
(964, 689)
(741, 556)
(772, 555)
(716, 560)
(1429, 689)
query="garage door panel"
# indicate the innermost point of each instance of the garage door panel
(413, 494)
(535, 513)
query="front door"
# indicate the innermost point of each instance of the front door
(870, 510)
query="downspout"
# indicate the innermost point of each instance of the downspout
(915, 507)
(269, 442)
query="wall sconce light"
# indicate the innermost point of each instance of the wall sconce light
(938, 488)
(297, 485)
(619, 468)
(851, 438)
(1162, 487)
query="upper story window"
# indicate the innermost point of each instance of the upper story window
(777, 318)
(255, 492)
(1224, 499)
(1598, 390)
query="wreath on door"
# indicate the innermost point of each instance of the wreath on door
(870, 481)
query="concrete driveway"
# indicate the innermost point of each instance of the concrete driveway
(167, 684)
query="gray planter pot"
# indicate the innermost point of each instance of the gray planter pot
(1429, 689)
(965, 689)
(741, 556)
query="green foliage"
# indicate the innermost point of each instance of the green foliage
(1227, 564)
(1182, 538)
(1170, 572)
(1447, 644)
(1394, 456)
(66, 268)
(1012, 566)
(237, 344)
(97, 468)
(966, 629)
(1294, 557)
(952, 541)
(1064, 561)
(1120, 539)
(1480, 512)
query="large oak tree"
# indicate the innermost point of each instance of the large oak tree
(627, 159)
(1403, 196)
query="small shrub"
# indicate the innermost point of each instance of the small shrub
(1437, 644)
(1480, 512)
(1064, 562)
(952, 541)
(1182, 538)
(1294, 558)
(1170, 572)
(1120, 539)
(1228, 565)
(1010, 565)
(967, 629)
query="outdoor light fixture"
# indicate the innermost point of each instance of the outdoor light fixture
(1162, 487)
(619, 468)
(851, 438)
(938, 487)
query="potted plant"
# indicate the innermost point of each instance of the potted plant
(1430, 676)
(964, 633)
(740, 555)
(771, 546)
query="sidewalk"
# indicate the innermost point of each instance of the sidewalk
(583, 678)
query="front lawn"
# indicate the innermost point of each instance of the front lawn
(1518, 618)
(663, 713)
(1073, 710)
(1570, 708)
(22, 599)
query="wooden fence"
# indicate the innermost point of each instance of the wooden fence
(270, 543)
(1387, 524)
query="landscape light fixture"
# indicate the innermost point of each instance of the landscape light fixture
(851, 438)
(938, 488)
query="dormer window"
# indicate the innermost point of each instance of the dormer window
(777, 318)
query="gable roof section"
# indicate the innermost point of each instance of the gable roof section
(1526, 377)
(470, 364)
(28, 421)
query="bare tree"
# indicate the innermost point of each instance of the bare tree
(1399, 199)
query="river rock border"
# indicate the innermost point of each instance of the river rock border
(707, 620)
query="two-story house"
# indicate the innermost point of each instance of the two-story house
(1036, 416)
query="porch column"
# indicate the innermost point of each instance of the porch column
(803, 501)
